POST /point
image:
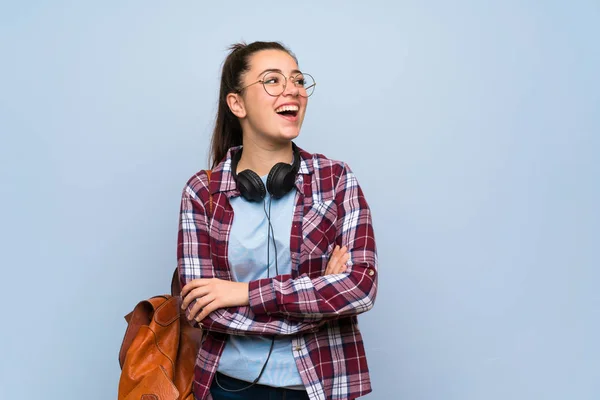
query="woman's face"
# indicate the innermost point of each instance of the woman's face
(266, 117)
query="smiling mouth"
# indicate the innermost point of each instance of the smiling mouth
(288, 112)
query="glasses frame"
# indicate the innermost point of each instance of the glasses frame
(285, 81)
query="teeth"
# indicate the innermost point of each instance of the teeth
(286, 108)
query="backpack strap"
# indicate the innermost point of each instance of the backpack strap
(175, 283)
(210, 199)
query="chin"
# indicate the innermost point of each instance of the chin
(291, 133)
(286, 136)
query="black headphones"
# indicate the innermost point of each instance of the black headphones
(280, 180)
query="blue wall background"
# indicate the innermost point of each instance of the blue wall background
(472, 126)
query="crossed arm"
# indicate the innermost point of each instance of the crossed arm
(280, 305)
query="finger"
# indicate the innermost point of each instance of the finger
(340, 265)
(194, 294)
(191, 285)
(188, 286)
(328, 269)
(343, 264)
(199, 305)
(334, 255)
(210, 307)
(335, 251)
(337, 267)
(341, 251)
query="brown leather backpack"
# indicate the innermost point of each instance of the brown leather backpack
(159, 350)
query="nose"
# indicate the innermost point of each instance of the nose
(290, 88)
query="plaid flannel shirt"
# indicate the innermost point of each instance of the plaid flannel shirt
(319, 312)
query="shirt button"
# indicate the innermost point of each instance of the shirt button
(371, 272)
(297, 348)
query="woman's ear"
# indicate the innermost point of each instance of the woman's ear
(236, 105)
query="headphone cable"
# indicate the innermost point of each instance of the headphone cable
(269, 230)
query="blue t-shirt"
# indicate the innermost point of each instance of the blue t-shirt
(244, 356)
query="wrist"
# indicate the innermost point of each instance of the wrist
(244, 293)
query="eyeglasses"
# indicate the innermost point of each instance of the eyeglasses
(275, 83)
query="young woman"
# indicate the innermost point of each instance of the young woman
(276, 251)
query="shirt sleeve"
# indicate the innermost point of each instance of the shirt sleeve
(332, 296)
(194, 260)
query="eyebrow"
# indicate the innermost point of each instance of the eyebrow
(294, 71)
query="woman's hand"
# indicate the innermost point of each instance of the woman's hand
(212, 294)
(338, 260)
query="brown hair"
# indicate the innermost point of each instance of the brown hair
(228, 131)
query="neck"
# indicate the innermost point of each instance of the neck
(260, 157)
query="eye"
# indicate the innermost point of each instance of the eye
(300, 81)
(271, 80)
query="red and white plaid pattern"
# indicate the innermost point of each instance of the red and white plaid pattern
(318, 311)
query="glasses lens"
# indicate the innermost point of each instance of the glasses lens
(305, 83)
(273, 83)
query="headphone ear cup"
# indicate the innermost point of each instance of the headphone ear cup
(280, 180)
(251, 186)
